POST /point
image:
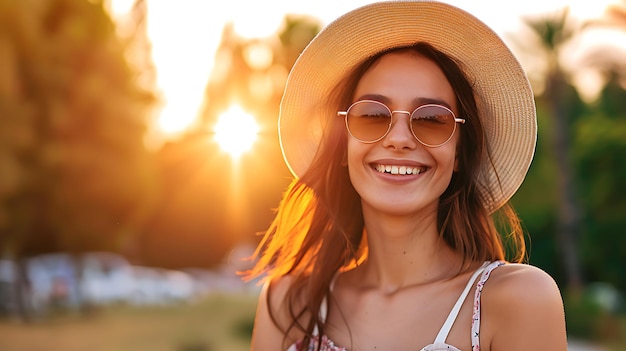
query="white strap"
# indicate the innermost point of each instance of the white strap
(447, 326)
(323, 314)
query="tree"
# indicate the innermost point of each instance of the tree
(599, 151)
(600, 155)
(212, 202)
(595, 134)
(562, 107)
(75, 174)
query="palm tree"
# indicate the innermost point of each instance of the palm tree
(551, 33)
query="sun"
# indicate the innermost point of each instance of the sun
(236, 131)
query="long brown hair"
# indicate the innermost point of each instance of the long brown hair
(318, 229)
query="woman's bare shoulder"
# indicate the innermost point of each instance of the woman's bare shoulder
(522, 309)
(274, 317)
(278, 288)
(276, 292)
(517, 277)
(528, 286)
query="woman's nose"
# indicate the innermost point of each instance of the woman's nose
(400, 135)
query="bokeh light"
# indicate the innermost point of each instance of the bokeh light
(236, 131)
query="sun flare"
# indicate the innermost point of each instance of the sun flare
(236, 131)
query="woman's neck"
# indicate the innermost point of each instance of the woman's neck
(405, 251)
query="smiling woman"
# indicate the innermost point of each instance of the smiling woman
(236, 131)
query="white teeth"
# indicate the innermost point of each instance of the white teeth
(399, 170)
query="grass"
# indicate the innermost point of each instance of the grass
(616, 341)
(218, 323)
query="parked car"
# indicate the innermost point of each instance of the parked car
(106, 278)
(179, 286)
(65, 281)
(148, 286)
(8, 287)
(53, 281)
(203, 281)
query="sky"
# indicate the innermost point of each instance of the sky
(186, 33)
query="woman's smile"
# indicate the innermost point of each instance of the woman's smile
(399, 169)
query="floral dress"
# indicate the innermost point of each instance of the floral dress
(325, 344)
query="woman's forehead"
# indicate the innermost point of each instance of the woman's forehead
(405, 78)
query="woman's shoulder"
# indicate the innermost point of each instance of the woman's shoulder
(518, 279)
(521, 303)
(286, 298)
(279, 286)
(273, 318)
(277, 293)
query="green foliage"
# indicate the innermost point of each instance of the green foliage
(587, 319)
(194, 345)
(243, 328)
(74, 173)
(581, 150)
(600, 155)
(552, 30)
(582, 314)
(536, 202)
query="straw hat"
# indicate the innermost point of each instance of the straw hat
(504, 97)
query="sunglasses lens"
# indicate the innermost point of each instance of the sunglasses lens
(433, 125)
(368, 121)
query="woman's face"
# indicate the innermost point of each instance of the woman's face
(403, 81)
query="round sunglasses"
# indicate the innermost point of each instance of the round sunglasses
(370, 121)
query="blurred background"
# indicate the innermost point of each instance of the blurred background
(139, 161)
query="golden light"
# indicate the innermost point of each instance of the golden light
(257, 21)
(184, 40)
(236, 131)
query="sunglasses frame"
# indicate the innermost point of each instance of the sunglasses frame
(345, 115)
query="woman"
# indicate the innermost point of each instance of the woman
(409, 125)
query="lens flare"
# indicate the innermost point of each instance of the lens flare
(236, 131)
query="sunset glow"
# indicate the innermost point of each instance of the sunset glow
(236, 131)
(185, 37)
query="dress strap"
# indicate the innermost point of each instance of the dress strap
(323, 314)
(324, 306)
(477, 295)
(447, 325)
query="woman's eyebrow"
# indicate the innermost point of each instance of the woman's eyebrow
(376, 97)
(419, 101)
(428, 101)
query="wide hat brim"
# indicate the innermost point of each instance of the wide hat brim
(502, 91)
